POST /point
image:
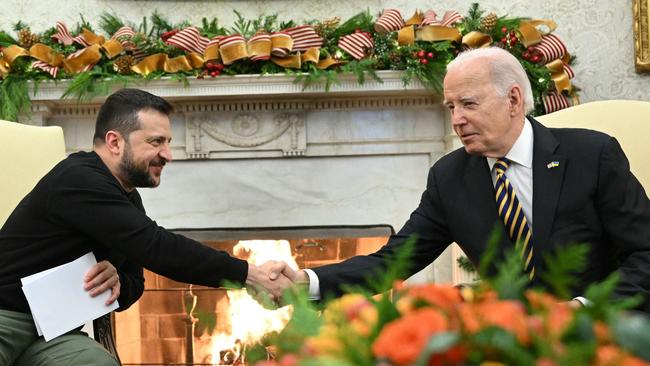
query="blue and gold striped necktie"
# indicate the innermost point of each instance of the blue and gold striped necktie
(513, 216)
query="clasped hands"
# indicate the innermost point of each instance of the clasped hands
(268, 281)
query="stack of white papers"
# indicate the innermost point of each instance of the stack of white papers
(58, 300)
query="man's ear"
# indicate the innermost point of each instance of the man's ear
(114, 142)
(515, 97)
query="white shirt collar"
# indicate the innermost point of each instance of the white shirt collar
(522, 150)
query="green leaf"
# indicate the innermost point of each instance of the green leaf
(632, 331)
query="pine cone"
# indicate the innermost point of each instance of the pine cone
(26, 38)
(488, 22)
(123, 64)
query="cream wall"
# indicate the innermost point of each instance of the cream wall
(598, 32)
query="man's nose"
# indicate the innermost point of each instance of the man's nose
(166, 153)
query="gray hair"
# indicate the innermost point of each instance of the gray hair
(505, 71)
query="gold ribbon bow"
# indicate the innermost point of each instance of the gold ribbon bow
(431, 33)
(559, 76)
(161, 61)
(38, 51)
(531, 31)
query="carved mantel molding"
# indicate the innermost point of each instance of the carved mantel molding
(251, 116)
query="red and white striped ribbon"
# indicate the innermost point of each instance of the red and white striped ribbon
(304, 37)
(551, 48)
(62, 35)
(124, 35)
(189, 40)
(52, 70)
(125, 31)
(279, 51)
(450, 18)
(356, 44)
(554, 102)
(263, 37)
(429, 18)
(390, 21)
(568, 70)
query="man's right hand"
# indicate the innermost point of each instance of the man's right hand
(271, 278)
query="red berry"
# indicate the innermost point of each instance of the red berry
(535, 58)
(421, 53)
(514, 40)
(504, 29)
(512, 33)
(217, 72)
(213, 74)
(424, 61)
(219, 67)
(209, 65)
(504, 40)
(525, 55)
(531, 49)
(430, 55)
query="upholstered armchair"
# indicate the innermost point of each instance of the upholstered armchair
(28, 152)
(627, 120)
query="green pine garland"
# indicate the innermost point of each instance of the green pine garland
(424, 61)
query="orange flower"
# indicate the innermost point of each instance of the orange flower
(614, 356)
(403, 339)
(559, 317)
(602, 332)
(506, 314)
(541, 300)
(443, 296)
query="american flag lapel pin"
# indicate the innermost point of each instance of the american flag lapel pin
(553, 164)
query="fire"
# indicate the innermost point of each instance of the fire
(249, 320)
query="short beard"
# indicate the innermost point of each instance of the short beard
(134, 175)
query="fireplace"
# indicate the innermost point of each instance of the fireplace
(158, 330)
(262, 152)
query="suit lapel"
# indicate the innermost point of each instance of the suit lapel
(548, 174)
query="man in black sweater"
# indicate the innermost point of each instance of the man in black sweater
(88, 202)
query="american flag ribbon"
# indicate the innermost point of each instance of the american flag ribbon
(356, 44)
(551, 48)
(62, 35)
(304, 37)
(450, 18)
(52, 70)
(189, 40)
(554, 102)
(390, 21)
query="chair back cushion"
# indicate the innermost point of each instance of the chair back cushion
(27, 153)
(627, 120)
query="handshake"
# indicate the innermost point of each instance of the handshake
(268, 281)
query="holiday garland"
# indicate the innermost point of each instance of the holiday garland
(314, 52)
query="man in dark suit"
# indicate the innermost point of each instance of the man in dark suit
(570, 186)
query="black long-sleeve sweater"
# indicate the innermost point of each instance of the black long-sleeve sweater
(79, 206)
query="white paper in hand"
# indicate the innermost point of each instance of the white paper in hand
(58, 300)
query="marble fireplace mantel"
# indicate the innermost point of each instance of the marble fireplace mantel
(262, 151)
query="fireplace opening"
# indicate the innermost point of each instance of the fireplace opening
(178, 324)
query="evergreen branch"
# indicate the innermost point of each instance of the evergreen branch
(14, 97)
(561, 267)
(6, 40)
(110, 23)
(242, 26)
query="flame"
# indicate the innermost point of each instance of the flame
(249, 320)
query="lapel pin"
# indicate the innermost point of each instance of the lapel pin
(553, 164)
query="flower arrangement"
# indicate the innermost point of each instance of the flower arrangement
(314, 52)
(496, 322)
